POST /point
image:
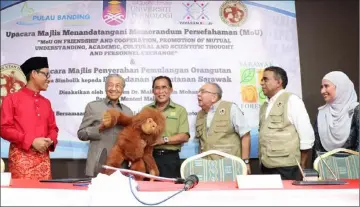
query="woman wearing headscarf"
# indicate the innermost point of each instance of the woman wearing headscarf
(337, 124)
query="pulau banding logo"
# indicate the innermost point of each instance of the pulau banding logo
(233, 13)
(12, 79)
(114, 12)
(76, 16)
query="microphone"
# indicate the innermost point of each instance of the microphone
(126, 171)
(310, 177)
(191, 182)
(327, 166)
(307, 174)
(100, 165)
(300, 168)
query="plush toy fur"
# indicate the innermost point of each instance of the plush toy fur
(134, 142)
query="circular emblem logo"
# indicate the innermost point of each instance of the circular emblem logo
(222, 111)
(233, 13)
(12, 79)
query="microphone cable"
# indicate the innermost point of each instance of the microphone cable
(151, 204)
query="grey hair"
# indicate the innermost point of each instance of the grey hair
(219, 91)
(117, 76)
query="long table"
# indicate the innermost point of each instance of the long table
(27, 192)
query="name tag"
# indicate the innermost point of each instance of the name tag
(170, 117)
(259, 181)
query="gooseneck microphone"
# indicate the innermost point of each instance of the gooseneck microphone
(132, 172)
(191, 182)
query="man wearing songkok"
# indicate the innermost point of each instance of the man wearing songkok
(28, 123)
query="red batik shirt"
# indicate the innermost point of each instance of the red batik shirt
(26, 115)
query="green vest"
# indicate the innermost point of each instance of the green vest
(279, 142)
(221, 134)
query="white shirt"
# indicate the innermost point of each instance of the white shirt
(299, 117)
(237, 117)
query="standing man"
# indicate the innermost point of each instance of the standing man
(28, 123)
(89, 127)
(167, 147)
(221, 125)
(285, 132)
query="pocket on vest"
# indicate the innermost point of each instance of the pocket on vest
(220, 129)
(276, 149)
(221, 126)
(199, 130)
(275, 122)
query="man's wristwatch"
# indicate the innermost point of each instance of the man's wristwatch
(166, 139)
(247, 161)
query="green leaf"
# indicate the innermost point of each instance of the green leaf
(247, 75)
(26, 10)
(262, 95)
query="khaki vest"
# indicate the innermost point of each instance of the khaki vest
(221, 135)
(279, 142)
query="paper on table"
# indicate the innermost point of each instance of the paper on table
(259, 181)
(5, 178)
(110, 190)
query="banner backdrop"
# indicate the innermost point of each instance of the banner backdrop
(192, 42)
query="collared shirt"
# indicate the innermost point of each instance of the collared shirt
(26, 115)
(237, 117)
(89, 130)
(298, 116)
(176, 122)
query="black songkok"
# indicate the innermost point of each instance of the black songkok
(34, 63)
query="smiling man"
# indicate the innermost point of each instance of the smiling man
(221, 125)
(168, 146)
(285, 131)
(89, 127)
(28, 123)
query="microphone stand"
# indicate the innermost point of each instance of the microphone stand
(132, 172)
(175, 180)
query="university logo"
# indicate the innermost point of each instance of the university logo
(251, 91)
(12, 79)
(114, 12)
(233, 13)
(196, 13)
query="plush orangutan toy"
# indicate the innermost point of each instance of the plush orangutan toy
(134, 142)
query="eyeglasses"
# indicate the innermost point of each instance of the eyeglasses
(202, 91)
(47, 75)
(118, 86)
